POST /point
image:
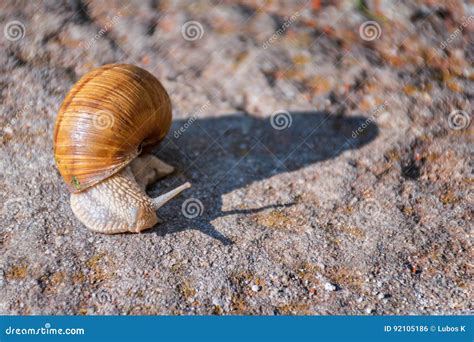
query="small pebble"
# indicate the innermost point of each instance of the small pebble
(8, 130)
(329, 287)
(255, 288)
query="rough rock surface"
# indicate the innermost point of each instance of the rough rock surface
(362, 205)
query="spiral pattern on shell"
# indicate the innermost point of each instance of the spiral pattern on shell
(370, 30)
(109, 116)
(14, 30)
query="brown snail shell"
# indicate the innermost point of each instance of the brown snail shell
(105, 121)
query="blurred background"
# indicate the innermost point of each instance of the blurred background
(328, 143)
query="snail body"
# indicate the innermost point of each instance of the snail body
(107, 122)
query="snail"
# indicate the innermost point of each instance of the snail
(105, 128)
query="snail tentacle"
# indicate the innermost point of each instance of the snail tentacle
(160, 201)
(147, 169)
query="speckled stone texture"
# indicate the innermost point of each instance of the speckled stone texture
(331, 158)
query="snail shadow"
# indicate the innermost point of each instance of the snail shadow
(221, 154)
